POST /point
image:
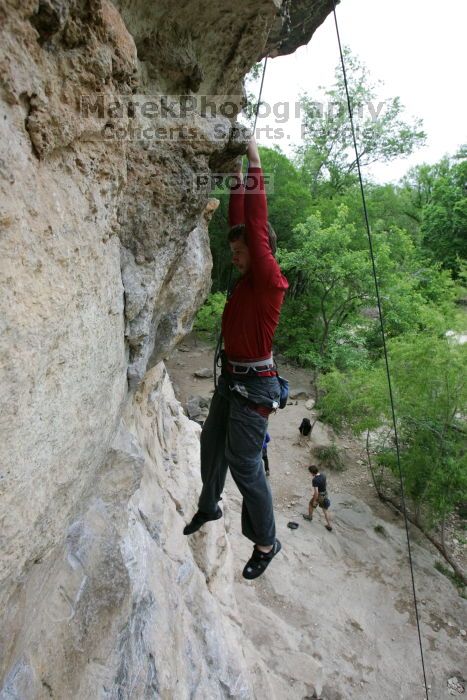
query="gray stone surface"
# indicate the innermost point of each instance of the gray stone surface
(205, 373)
(299, 393)
(104, 260)
(197, 408)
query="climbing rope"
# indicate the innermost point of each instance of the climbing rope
(383, 335)
(259, 95)
(218, 349)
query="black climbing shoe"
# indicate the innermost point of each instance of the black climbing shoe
(259, 561)
(199, 519)
(328, 527)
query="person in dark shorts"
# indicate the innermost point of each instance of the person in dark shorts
(267, 439)
(320, 496)
(248, 389)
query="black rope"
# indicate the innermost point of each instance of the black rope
(383, 335)
(218, 349)
(260, 93)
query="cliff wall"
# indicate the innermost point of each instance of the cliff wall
(104, 260)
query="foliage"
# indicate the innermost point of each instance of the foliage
(452, 576)
(430, 390)
(330, 456)
(208, 318)
(294, 335)
(331, 274)
(332, 287)
(416, 297)
(438, 192)
(387, 205)
(381, 135)
(348, 347)
(290, 201)
(220, 251)
(444, 217)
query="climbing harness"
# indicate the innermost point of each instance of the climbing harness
(383, 335)
(251, 367)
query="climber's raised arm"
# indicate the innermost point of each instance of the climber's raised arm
(254, 159)
(236, 201)
(260, 237)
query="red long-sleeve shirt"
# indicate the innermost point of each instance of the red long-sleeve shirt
(252, 313)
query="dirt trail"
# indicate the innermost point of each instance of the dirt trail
(334, 611)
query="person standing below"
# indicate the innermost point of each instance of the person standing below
(267, 439)
(248, 389)
(319, 497)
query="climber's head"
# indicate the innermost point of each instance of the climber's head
(313, 469)
(238, 242)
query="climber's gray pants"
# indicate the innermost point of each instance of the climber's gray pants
(233, 436)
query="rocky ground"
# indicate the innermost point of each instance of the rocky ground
(335, 613)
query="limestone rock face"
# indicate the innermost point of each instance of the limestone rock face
(128, 606)
(161, 296)
(104, 260)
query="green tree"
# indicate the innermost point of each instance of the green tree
(382, 134)
(444, 216)
(331, 280)
(388, 205)
(430, 390)
(330, 318)
(289, 201)
(220, 251)
(330, 275)
(208, 318)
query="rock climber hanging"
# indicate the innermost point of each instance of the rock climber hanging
(249, 388)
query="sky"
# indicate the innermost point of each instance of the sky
(417, 48)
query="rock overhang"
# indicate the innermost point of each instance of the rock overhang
(220, 41)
